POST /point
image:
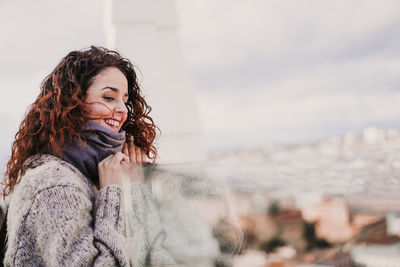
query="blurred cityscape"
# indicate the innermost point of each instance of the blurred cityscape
(332, 203)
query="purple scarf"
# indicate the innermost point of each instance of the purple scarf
(100, 143)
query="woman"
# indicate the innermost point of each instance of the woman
(69, 160)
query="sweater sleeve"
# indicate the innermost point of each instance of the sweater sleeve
(64, 229)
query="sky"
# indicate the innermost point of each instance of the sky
(265, 72)
(292, 71)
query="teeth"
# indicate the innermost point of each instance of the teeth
(112, 122)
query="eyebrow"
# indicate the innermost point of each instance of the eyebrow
(114, 89)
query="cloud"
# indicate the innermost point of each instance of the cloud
(220, 33)
(290, 68)
(349, 95)
(286, 71)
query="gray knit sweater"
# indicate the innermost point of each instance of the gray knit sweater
(57, 217)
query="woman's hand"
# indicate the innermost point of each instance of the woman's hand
(111, 170)
(114, 168)
(135, 154)
(137, 157)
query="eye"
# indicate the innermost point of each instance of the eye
(109, 98)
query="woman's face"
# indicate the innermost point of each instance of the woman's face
(106, 98)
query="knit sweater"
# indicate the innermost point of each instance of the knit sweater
(57, 217)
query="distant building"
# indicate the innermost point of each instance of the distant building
(376, 234)
(250, 258)
(393, 223)
(332, 217)
(146, 32)
(376, 255)
(361, 220)
(373, 135)
(334, 222)
(287, 225)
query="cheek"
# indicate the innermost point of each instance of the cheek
(124, 118)
(96, 110)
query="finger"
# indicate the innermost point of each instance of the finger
(138, 154)
(125, 149)
(118, 157)
(132, 153)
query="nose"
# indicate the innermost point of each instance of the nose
(121, 107)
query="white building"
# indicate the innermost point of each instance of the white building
(377, 255)
(146, 31)
(393, 223)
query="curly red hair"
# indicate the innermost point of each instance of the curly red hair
(57, 116)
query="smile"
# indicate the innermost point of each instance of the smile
(112, 123)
